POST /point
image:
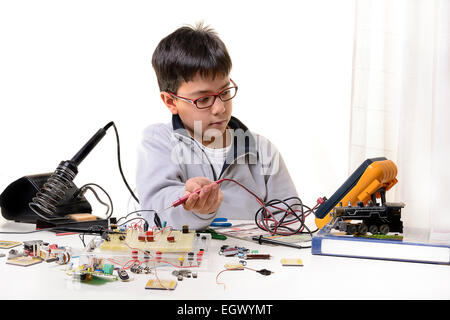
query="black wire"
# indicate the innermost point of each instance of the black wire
(27, 232)
(136, 218)
(262, 224)
(157, 220)
(119, 161)
(109, 198)
(129, 214)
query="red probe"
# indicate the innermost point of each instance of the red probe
(185, 197)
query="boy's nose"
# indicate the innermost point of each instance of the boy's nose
(218, 107)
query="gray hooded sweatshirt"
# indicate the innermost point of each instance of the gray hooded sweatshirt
(168, 156)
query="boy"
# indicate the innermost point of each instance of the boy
(204, 142)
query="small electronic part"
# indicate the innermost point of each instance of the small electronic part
(32, 247)
(257, 256)
(182, 273)
(265, 272)
(6, 244)
(24, 261)
(123, 275)
(161, 284)
(236, 266)
(229, 252)
(108, 268)
(292, 262)
(63, 257)
(87, 273)
(13, 253)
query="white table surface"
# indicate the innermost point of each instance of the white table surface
(321, 277)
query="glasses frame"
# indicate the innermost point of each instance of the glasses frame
(194, 101)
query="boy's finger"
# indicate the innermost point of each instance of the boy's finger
(191, 202)
(211, 202)
(192, 186)
(202, 181)
(203, 196)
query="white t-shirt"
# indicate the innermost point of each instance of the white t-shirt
(216, 157)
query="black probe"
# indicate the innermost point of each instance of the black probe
(261, 240)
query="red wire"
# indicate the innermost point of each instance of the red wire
(268, 215)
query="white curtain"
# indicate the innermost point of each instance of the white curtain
(401, 106)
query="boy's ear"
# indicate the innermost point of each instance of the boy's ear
(170, 103)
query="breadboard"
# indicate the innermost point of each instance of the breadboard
(183, 242)
(128, 248)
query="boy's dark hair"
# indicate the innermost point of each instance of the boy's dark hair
(186, 52)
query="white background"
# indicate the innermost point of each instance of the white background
(69, 67)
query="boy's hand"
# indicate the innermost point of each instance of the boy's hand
(207, 201)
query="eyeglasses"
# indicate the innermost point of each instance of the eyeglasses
(207, 101)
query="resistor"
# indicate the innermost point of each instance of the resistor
(146, 258)
(199, 257)
(190, 258)
(158, 256)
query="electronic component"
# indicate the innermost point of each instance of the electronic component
(265, 272)
(237, 266)
(6, 244)
(257, 256)
(292, 262)
(161, 284)
(128, 250)
(24, 261)
(123, 275)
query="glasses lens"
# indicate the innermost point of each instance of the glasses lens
(208, 101)
(228, 94)
(205, 102)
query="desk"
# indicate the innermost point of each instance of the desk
(320, 278)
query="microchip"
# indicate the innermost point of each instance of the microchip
(292, 262)
(161, 284)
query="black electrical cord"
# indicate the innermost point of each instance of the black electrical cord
(87, 186)
(118, 159)
(290, 216)
(137, 211)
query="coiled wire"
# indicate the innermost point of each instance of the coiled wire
(53, 190)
